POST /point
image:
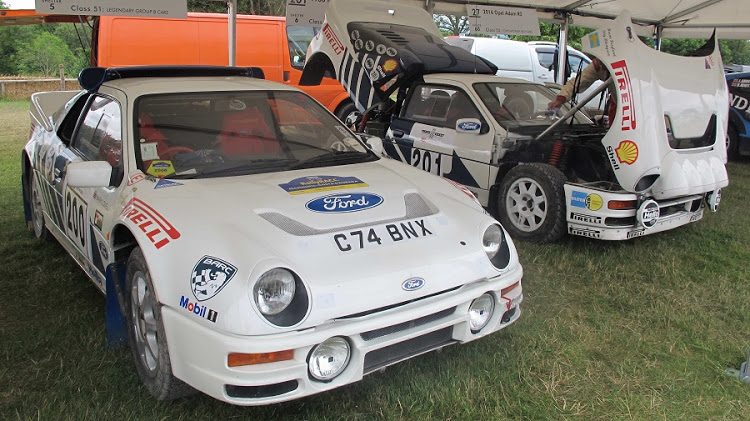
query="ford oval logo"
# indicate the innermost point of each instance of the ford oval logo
(412, 284)
(469, 126)
(340, 203)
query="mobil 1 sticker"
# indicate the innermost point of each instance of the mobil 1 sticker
(349, 241)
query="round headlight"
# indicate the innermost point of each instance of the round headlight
(274, 291)
(480, 312)
(491, 240)
(328, 359)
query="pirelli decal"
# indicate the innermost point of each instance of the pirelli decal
(158, 230)
(627, 107)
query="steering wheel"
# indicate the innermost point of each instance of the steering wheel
(171, 151)
(339, 146)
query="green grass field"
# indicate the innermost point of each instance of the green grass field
(642, 329)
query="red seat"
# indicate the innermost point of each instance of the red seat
(246, 132)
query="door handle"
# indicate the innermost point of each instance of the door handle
(397, 133)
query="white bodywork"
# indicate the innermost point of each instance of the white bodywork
(676, 169)
(426, 229)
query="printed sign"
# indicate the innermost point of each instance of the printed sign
(305, 12)
(491, 20)
(174, 9)
(319, 183)
(210, 275)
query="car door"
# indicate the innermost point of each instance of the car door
(425, 135)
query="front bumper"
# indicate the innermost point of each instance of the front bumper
(588, 214)
(199, 354)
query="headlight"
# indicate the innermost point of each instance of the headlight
(328, 359)
(480, 312)
(491, 240)
(281, 297)
(274, 291)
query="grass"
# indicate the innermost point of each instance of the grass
(642, 329)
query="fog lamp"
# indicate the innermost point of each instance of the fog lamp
(480, 312)
(329, 358)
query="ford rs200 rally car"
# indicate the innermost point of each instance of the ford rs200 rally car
(260, 250)
(738, 132)
(656, 168)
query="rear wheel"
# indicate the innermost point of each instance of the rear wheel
(531, 202)
(733, 146)
(37, 209)
(148, 341)
(348, 114)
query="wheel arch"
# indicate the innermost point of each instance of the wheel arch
(317, 67)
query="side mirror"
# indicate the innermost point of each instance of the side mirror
(89, 174)
(374, 143)
(468, 125)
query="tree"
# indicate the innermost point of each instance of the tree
(44, 54)
(3, 5)
(452, 24)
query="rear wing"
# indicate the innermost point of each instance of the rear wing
(45, 104)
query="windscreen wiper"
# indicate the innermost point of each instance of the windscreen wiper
(334, 157)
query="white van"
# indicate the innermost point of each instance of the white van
(524, 60)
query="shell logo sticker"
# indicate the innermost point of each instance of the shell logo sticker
(627, 152)
(160, 168)
(390, 65)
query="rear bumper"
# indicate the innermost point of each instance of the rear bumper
(199, 354)
(588, 213)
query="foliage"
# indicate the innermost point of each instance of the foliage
(252, 7)
(44, 54)
(3, 5)
(452, 24)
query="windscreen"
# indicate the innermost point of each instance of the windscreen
(208, 134)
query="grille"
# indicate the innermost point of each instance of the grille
(256, 392)
(377, 333)
(383, 357)
(416, 207)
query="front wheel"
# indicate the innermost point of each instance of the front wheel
(148, 341)
(531, 202)
(348, 114)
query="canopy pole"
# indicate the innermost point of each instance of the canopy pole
(562, 49)
(657, 37)
(232, 6)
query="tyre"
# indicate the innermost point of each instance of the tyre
(348, 114)
(148, 341)
(37, 208)
(733, 146)
(531, 202)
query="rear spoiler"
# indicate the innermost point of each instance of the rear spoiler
(91, 78)
(44, 104)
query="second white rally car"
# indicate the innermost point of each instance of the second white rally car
(657, 166)
(260, 250)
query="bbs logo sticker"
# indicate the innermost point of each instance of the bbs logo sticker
(210, 275)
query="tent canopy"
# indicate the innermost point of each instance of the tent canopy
(675, 18)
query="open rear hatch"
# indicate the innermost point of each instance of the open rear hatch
(668, 133)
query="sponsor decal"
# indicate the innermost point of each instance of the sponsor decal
(708, 64)
(319, 183)
(627, 152)
(431, 134)
(358, 44)
(391, 52)
(210, 275)
(627, 107)
(337, 46)
(157, 229)
(636, 233)
(585, 232)
(741, 83)
(377, 236)
(164, 183)
(136, 178)
(469, 126)
(355, 34)
(631, 38)
(578, 199)
(612, 160)
(198, 310)
(696, 217)
(594, 202)
(94, 274)
(594, 40)
(390, 65)
(381, 49)
(103, 250)
(369, 45)
(369, 63)
(588, 219)
(412, 284)
(344, 203)
(98, 220)
(160, 168)
(738, 103)
(100, 200)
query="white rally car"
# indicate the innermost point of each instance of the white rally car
(260, 250)
(440, 109)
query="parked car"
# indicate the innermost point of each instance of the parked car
(738, 132)
(259, 249)
(532, 60)
(654, 169)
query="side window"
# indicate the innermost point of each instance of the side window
(99, 137)
(439, 106)
(298, 38)
(546, 58)
(68, 125)
(574, 61)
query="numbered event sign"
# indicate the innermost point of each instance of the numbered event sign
(305, 12)
(175, 9)
(491, 20)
